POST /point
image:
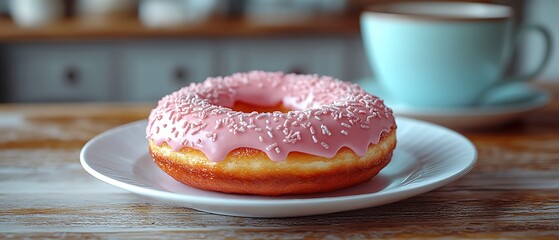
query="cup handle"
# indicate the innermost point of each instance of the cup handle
(546, 54)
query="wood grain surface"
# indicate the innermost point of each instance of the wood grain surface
(513, 192)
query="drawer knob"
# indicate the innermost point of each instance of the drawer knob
(180, 74)
(297, 70)
(72, 76)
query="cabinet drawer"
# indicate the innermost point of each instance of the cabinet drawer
(360, 68)
(54, 72)
(324, 57)
(149, 74)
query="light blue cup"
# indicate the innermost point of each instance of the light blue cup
(443, 54)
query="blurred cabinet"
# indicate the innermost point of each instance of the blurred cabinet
(149, 69)
(359, 67)
(313, 55)
(56, 72)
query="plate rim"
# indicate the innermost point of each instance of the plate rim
(536, 102)
(541, 100)
(194, 199)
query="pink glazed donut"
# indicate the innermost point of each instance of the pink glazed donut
(270, 133)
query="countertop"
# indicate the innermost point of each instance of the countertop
(513, 191)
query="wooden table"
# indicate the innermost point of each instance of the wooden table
(44, 192)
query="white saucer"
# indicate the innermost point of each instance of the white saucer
(427, 157)
(485, 115)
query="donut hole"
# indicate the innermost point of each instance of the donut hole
(248, 108)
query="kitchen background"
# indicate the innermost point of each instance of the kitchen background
(128, 50)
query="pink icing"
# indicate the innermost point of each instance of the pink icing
(327, 114)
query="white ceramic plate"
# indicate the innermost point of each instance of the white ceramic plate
(484, 116)
(427, 157)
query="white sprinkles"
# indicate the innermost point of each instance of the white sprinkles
(189, 108)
